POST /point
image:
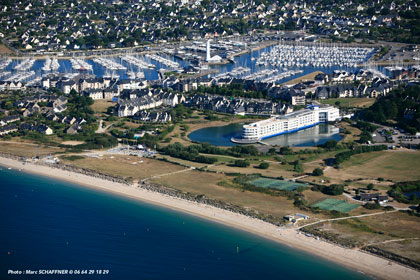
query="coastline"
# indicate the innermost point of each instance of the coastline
(354, 259)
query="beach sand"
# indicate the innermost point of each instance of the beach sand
(351, 258)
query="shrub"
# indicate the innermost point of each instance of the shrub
(371, 206)
(72, 158)
(298, 168)
(241, 163)
(317, 172)
(330, 144)
(264, 165)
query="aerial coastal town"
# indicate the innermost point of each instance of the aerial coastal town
(301, 115)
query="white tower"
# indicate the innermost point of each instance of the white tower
(208, 56)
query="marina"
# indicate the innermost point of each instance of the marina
(80, 65)
(281, 76)
(129, 59)
(261, 74)
(109, 64)
(261, 65)
(51, 64)
(315, 56)
(20, 76)
(234, 73)
(135, 75)
(164, 61)
(4, 63)
(25, 65)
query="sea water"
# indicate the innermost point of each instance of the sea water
(55, 225)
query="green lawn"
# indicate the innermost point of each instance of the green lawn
(331, 204)
(350, 102)
(276, 184)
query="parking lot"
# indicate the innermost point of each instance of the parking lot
(394, 136)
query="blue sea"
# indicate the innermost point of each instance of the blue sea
(50, 224)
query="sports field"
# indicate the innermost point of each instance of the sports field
(276, 184)
(331, 204)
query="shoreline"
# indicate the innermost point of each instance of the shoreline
(351, 258)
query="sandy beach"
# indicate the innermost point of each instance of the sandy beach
(352, 258)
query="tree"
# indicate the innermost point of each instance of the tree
(370, 187)
(330, 144)
(334, 189)
(271, 151)
(264, 165)
(298, 168)
(286, 151)
(317, 172)
(370, 11)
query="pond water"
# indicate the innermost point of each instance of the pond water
(410, 195)
(221, 135)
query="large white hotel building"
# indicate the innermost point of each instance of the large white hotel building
(312, 115)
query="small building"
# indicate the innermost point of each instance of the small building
(373, 197)
(8, 129)
(296, 218)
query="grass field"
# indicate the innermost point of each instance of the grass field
(206, 183)
(308, 77)
(5, 50)
(275, 170)
(182, 161)
(331, 204)
(101, 106)
(276, 184)
(374, 230)
(350, 102)
(396, 165)
(127, 166)
(26, 149)
(407, 248)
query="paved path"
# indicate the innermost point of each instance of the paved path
(392, 240)
(171, 173)
(296, 178)
(102, 129)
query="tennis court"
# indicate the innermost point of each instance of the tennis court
(331, 204)
(276, 184)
